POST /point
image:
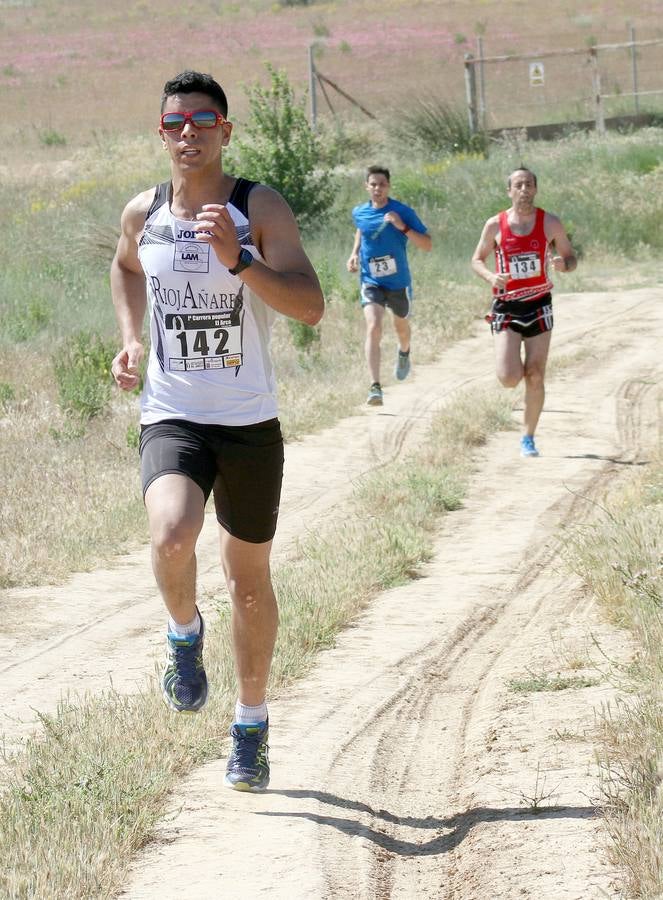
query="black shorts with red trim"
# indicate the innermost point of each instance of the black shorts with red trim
(526, 317)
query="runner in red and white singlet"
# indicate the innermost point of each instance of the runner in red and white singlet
(522, 239)
(524, 258)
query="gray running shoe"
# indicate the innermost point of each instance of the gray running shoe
(402, 369)
(375, 395)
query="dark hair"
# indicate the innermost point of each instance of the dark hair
(521, 169)
(190, 82)
(377, 170)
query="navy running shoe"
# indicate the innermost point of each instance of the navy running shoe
(248, 765)
(184, 682)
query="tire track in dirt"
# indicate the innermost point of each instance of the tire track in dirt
(635, 396)
(387, 764)
(396, 762)
(635, 437)
(631, 399)
(462, 657)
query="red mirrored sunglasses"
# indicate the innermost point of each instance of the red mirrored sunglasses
(199, 118)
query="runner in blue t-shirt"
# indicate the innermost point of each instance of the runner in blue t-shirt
(379, 253)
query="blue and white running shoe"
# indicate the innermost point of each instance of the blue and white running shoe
(527, 446)
(248, 765)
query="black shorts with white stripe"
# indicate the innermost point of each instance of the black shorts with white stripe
(526, 317)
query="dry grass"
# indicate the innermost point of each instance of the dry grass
(620, 557)
(542, 681)
(72, 495)
(631, 760)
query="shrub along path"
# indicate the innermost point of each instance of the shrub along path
(403, 765)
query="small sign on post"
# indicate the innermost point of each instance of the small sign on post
(536, 74)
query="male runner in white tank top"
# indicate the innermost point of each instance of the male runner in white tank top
(521, 239)
(212, 258)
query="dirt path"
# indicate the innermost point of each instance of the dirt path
(403, 766)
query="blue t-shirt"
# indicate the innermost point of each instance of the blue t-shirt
(383, 249)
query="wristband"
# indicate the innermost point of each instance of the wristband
(406, 229)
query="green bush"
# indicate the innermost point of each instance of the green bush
(436, 126)
(52, 138)
(304, 336)
(331, 278)
(23, 320)
(283, 152)
(82, 373)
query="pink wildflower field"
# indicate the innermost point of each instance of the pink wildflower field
(72, 63)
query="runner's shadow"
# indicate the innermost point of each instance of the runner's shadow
(455, 828)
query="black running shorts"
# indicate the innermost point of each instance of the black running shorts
(242, 465)
(399, 302)
(526, 317)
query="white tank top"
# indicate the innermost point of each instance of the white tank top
(209, 358)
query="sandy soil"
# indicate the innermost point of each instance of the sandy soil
(403, 766)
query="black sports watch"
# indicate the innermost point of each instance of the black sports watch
(244, 261)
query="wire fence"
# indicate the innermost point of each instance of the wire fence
(507, 91)
(564, 86)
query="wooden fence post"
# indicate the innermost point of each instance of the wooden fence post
(312, 85)
(471, 92)
(634, 70)
(482, 86)
(596, 85)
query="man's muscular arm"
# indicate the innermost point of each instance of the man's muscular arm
(564, 259)
(485, 247)
(128, 291)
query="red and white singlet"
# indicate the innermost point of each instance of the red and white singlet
(525, 259)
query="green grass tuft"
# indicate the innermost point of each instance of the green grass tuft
(541, 681)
